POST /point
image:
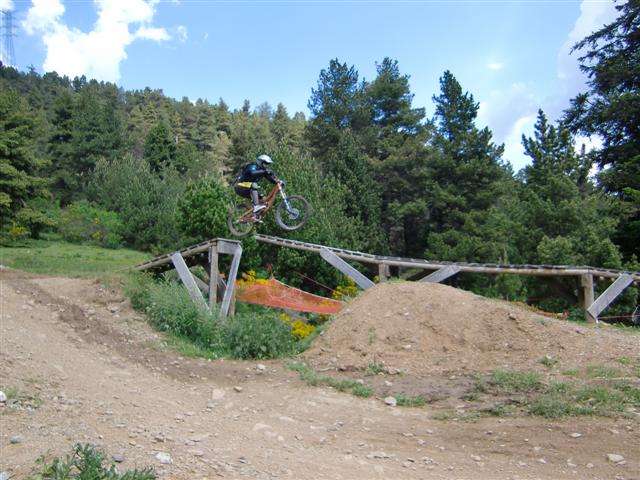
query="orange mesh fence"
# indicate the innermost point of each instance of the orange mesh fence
(273, 293)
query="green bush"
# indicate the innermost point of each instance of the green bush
(252, 334)
(87, 463)
(203, 208)
(82, 222)
(258, 336)
(145, 200)
(169, 308)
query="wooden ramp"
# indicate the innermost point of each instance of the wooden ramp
(436, 271)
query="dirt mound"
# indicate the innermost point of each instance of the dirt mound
(426, 328)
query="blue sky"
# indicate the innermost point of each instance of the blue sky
(513, 56)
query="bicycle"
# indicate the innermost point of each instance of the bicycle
(291, 213)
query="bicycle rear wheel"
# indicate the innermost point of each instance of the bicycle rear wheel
(239, 220)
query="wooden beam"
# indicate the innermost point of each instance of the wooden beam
(225, 308)
(214, 275)
(586, 295)
(202, 285)
(187, 280)
(494, 269)
(442, 274)
(384, 272)
(609, 295)
(362, 281)
(227, 246)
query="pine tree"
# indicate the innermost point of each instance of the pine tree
(60, 148)
(394, 142)
(97, 133)
(336, 104)
(364, 201)
(160, 147)
(281, 125)
(568, 222)
(20, 168)
(389, 98)
(610, 109)
(465, 181)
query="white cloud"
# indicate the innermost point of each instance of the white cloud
(182, 32)
(205, 36)
(495, 66)
(593, 16)
(502, 108)
(6, 5)
(511, 113)
(152, 33)
(97, 53)
(513, 150)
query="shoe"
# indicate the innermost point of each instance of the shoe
(258, 208)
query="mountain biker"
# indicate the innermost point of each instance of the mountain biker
(246, 183)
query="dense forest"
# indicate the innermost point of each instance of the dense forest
(95, 163)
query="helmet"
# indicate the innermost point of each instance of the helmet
(264, 160)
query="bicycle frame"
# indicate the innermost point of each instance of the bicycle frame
(269, 200)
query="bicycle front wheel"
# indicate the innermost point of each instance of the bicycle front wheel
(294, 213)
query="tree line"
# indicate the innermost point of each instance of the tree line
(99, 163)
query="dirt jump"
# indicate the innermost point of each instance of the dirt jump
(81, 366)
(432, 329)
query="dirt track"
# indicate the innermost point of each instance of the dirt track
(102, 377)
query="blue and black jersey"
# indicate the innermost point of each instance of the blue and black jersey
(253, 173)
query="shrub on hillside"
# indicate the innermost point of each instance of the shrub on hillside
(82, 222)
(203, 208)
(259, 336)
(170, 309)
(86, 462)
(145, 200)
(252, 334)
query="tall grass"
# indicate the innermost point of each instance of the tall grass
(88, 463)
(250, 334)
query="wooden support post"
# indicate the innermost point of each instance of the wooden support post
(362, 281)
(608, 296)
(586, 295)
(203, 286)
(214, 274)
(384, 272)
(187, 280)
(229, 292)
(442, 274)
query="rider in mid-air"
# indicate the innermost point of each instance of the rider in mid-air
(246, 183)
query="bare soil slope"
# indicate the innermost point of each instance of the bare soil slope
(81, 366)
(427, 329)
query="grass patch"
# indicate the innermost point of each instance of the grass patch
(313, 378)
(567, 399)
(408, 401)
(624, 361)
(374, 368)
(445, 415)
(250, 334)
(572, 372)
(371, 335)
(18, 399)
(87, 463)
(69, 259)
(602, 371)
(548, 361)
(500, 410)
(516, 382)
